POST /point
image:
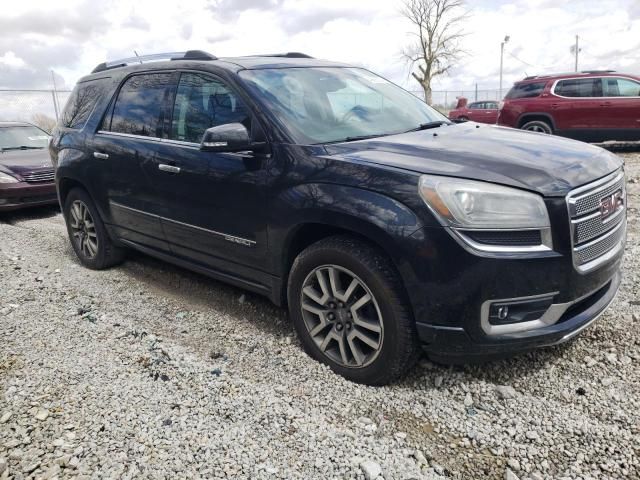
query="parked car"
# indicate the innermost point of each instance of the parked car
(482, 112)
(384, 228)
(26, 172)
(592, 106)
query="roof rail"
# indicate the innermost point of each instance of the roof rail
(188, 55)
(598, 71)
(284, 55)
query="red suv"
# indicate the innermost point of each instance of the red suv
(483, 112)
(592, 106)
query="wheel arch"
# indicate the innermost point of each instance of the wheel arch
(533, 116)
(368, 225)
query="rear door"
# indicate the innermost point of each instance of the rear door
(621, 106)
(217, 213)
(576, 105)
(125, 148)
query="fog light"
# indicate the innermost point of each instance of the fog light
(516, 311)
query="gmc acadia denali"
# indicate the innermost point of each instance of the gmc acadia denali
(384, 228)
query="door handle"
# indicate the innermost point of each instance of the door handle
(100, 155)
(555, 105)
(168, 168)
(605, 104)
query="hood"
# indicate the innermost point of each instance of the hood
(549, 165)
(23, 161)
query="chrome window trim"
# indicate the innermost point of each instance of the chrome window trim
(555, 83)
(152, 139)
(230, 238)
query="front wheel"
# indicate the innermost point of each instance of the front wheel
(350, 311)
(538, 126)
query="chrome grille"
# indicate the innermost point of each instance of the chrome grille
(40, 176)
(595, 239)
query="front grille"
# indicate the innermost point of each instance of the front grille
(593, 235)
(39, 176)
(507, 237)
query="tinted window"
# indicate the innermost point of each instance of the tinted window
(491, 105)
(620, 87)
(139, 109)
(82, 101)
(579, 87)
(476, 105)
(526, 90)
(203, 102)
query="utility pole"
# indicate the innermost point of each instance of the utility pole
(575, 49)
(54, 95)
(506, 39)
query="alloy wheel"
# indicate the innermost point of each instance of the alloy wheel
(83, 229)
(342, 316)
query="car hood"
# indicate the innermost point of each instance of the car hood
(549, 165)
(22, 161)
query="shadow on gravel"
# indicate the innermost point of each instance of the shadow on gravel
(32, 213)
(200, 292)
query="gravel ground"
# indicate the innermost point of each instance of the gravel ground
(149, 371)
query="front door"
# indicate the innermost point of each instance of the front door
(124, 150)
(217, 208)
(621, 107)
(576, 105)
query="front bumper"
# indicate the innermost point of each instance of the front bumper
(448, 286)
(455, 343)
(14, 196)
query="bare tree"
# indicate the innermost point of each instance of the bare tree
(45, 122)
(437, 25)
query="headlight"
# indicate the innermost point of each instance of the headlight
(468, 204)
(6, 178)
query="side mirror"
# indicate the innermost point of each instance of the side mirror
(230, 137)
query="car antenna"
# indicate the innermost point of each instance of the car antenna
(137, 55)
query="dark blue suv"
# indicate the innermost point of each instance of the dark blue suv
(384, 228)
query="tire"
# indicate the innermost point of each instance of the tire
(87, 232)
(539, 126)
(379, 338)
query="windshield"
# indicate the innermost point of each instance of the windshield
(324, 105)
(27, 137)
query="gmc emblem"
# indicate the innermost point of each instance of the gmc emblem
(608, 205)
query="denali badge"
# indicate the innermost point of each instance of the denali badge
(608, 205)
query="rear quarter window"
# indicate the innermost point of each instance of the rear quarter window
(526, 90)
(82, 101)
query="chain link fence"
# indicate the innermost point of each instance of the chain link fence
(445, 100)
(40, 107)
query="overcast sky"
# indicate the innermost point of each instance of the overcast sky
(72, 36)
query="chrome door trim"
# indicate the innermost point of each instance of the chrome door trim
(230, 238)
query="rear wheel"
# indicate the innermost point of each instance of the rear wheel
(539, 126)
(349, 309)
(87, 233)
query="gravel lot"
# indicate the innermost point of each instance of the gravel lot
(149, 371)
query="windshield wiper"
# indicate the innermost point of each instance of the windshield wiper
(428, 125)
(22, 147)
(360, 137)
